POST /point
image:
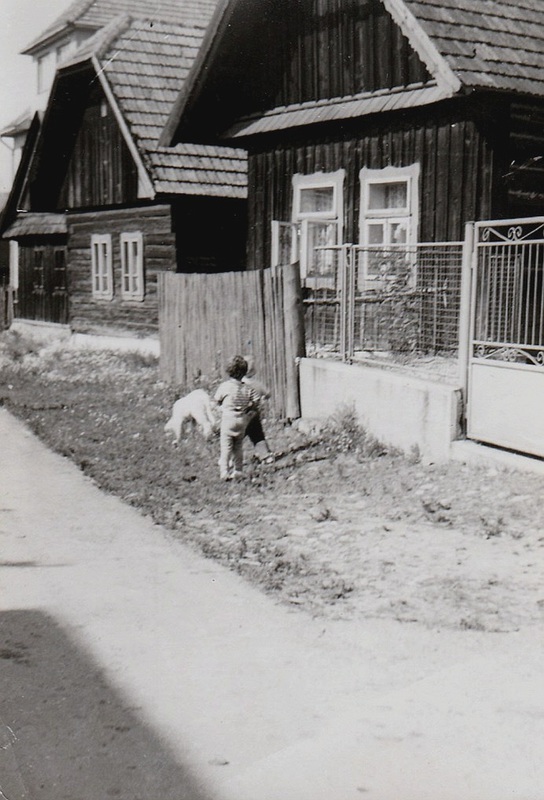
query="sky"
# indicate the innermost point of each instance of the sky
(20, 22)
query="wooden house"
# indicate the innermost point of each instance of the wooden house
(392, 123)
(99, 207)
(373, 121)
(77, 23)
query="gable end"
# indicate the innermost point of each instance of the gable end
(289, 53)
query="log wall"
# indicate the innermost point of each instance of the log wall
(89, 314)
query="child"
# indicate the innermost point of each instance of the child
(238, 403)
(254, 430)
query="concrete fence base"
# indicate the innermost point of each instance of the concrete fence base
(400, 410)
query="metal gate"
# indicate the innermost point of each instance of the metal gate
(506, 343)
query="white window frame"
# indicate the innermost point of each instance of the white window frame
(45, 72)
(303, 219)
(132, 270)
(101, 266)
(319, 180)
(278, 231)
(409, 214)
(388, 217)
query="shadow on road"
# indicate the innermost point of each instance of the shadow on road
(65, 734)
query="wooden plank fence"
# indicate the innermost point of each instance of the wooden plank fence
(205, 319)
(6, 307)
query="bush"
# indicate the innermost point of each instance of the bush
(344, 434)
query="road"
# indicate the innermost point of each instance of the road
(132, 668)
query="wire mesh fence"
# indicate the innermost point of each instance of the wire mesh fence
(400, 299)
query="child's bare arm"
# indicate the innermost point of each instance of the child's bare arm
(219, 395)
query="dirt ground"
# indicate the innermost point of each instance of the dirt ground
(337, 525)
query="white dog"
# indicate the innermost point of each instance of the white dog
(196, 406)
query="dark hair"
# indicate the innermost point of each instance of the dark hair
(237, 367)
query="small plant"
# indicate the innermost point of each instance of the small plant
(471, 624)
(493, 526)
(343, 433)
(135, 359)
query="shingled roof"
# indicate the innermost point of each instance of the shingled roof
(145, 63)
(95, 14)
(495, 44)
(36, 224)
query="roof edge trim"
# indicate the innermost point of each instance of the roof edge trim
(146, 189)
(424, 47)
(353, 107)
(218, 22)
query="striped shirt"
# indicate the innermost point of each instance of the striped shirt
(235, 396)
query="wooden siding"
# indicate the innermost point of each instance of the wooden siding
(101, 170)
(456, 180)
(298, 51)
(206, 319)
(335, 48)
(210, 234)
(525, 170)
(89, 314)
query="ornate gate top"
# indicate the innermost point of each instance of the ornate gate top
(510, 231)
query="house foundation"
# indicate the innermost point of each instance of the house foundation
(121, 341)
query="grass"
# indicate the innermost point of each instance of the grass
(311, 528)
(106, 413)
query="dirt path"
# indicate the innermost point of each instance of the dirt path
(339, 526)
(254, 699)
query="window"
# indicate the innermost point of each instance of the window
(46, 72)
(318, 211)
(132, 266)
(102, 270)
(317, 223)
(389, 219)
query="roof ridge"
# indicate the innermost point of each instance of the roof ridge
(95, 14)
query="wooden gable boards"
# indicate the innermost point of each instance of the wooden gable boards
(225, 35)
(422, 44)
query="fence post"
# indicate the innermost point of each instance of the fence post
(344, 302)
(295, 344)
(6, 307)
(465, 309)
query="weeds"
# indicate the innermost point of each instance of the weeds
(106, 412)
(343, 433)
(134, 359)
(492, 526)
